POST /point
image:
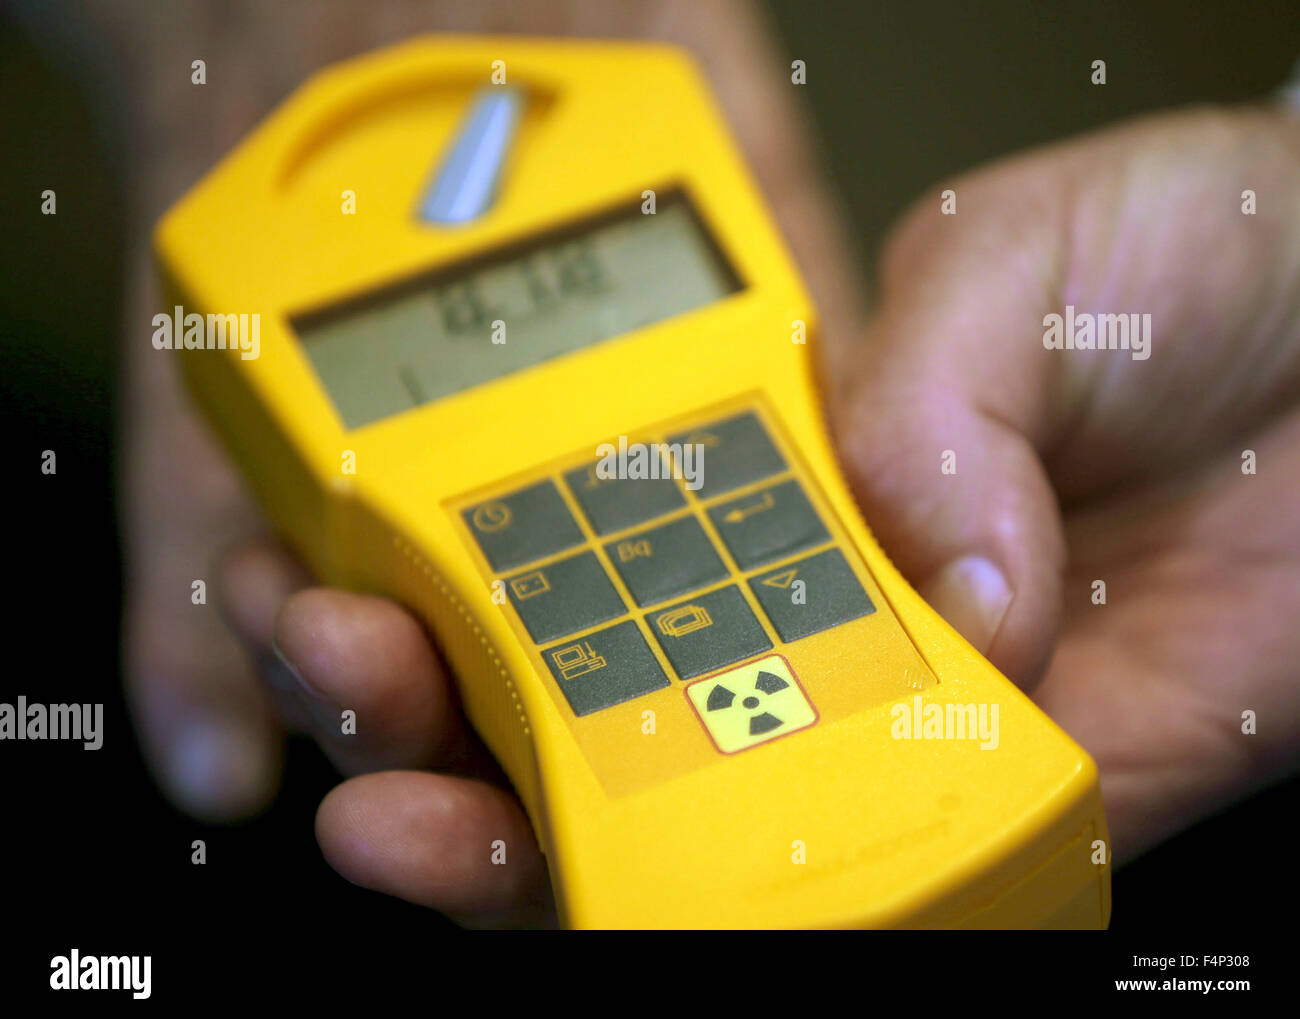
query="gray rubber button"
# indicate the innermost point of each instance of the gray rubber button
(564, 596)
(525, 525)
(612, 504)
(708, 632)
(605, 668)
(768, 524)
(830, 594)
(666, 561)
(736, 452)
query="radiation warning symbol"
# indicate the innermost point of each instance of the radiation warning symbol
(751, 704)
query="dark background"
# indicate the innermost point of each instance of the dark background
(90, 854)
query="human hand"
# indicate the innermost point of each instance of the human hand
(1076, 466)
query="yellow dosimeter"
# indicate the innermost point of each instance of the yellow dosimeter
(520, 347)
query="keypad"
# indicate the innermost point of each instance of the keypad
(768, 524)
(736, 452)
(708, 632)
(605, 668)
(668, 565)
(612, 504)
(811, 595)
(564, 597)
(666, 561)
(525, 525)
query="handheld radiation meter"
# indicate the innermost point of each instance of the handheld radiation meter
(529, 360)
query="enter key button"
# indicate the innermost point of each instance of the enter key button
(768, 524)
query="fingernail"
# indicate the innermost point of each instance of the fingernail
(218, 768)
(298, 684)
(973, 595)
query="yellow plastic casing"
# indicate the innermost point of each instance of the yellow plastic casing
(836, 824)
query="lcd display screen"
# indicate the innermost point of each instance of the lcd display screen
(427, 339)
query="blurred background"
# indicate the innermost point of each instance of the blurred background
(900, 96)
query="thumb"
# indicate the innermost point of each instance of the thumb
(940, 415)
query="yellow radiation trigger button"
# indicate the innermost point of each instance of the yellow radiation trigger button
(751, 704)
